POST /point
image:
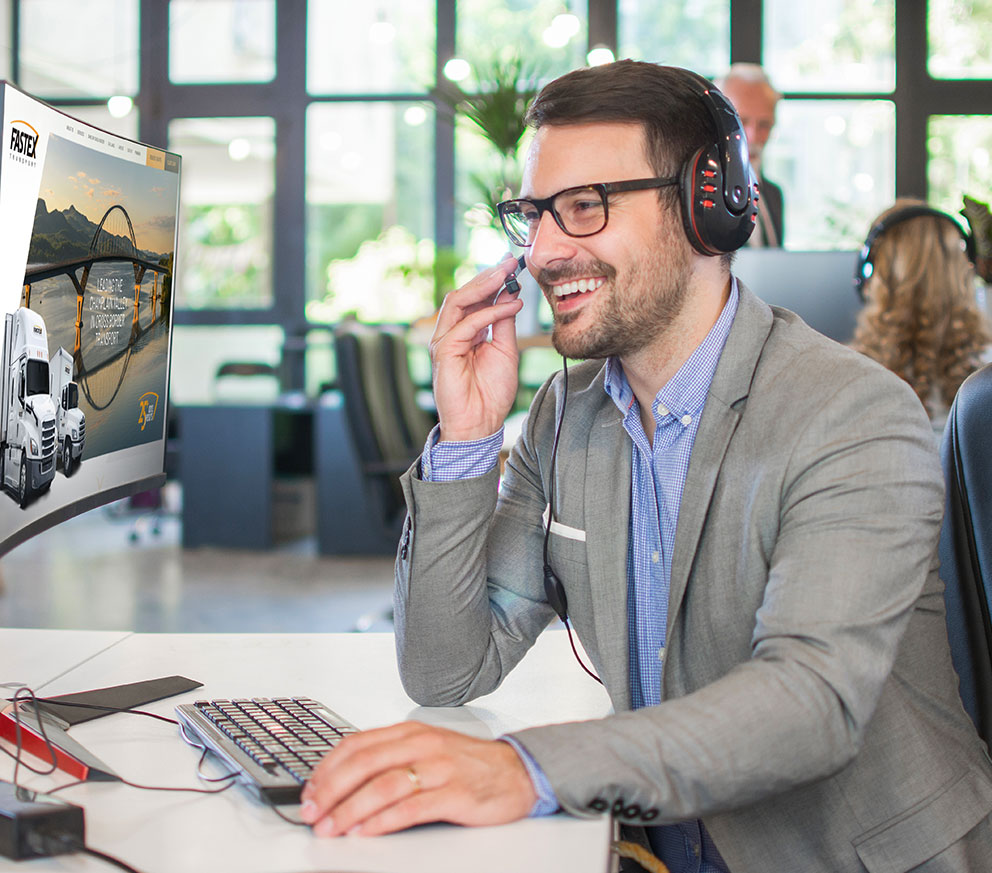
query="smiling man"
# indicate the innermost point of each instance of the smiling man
(738, 516)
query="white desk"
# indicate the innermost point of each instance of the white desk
(38, 657)
(353, 673)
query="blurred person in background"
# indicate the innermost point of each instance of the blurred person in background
(921, 317)
(748, 88)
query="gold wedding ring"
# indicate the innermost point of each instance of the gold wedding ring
(414, 778)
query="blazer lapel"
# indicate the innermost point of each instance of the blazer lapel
(722, 412)
(607, 513)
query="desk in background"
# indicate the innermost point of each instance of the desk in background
(232, 832)
(247, 474)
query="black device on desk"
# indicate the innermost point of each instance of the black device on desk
(272, 743)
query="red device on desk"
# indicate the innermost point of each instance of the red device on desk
(69, 755)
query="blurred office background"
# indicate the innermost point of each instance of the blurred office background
(331, 175)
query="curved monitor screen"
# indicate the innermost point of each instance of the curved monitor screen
(88, 221)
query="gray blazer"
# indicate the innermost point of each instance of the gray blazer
(810, 714)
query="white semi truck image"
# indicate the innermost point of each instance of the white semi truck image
(70, 422)
(27, 413)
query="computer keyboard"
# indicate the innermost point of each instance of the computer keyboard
(272, 743)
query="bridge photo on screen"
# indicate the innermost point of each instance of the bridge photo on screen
(88, 222)
(100, 274)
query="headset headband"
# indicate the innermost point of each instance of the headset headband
(864, 266)
(719, 192)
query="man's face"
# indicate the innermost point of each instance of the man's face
(755, 103)
(617, 291)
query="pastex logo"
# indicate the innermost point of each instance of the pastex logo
(23, 142)
(147, 407)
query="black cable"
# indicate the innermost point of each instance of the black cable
(554, 456)
(110, 859)
(60, 844)
(551, 513)
(19, 695)
(170, 788)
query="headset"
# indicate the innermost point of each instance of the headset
(718, 188)
(864, 265)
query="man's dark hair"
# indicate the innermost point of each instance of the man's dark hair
(665, 100)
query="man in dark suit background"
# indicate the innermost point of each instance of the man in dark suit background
(748, 88)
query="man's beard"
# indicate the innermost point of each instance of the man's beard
(642, 303)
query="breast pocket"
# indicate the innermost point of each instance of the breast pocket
(567, 552)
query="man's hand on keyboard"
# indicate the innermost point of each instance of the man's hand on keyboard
(384, 780)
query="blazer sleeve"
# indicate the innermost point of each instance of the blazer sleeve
(855, 524)
(469, 594)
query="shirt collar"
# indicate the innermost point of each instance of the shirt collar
(685, 393)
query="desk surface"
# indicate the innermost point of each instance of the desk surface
(353, 673)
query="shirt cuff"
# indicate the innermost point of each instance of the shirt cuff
(449, 461)
(547, 802)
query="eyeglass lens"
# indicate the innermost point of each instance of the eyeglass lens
(578, 211)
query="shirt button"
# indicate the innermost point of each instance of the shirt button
(661, 654)
(655, 558)
(662, 410)
(687, 420)
(695, 849)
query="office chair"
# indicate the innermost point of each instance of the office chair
(416, 421)
(365, 383)
(966, 544)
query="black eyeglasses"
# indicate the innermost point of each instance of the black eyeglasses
(581, 211)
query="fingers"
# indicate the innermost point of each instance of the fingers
(476, 294)
(394, 778)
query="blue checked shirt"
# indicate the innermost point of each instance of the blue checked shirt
(657, 479)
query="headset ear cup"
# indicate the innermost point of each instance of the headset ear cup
(710, 225)
(687, 195)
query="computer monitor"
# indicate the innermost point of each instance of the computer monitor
(817, 286)
(88, 221)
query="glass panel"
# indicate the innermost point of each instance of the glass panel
(100, 117)
(370, 211)
(225, 211)
(694, 34)
(959, 36)
(222, 40)
(835, 162)
(56, 62)
(834, 45)
(365, 48)
(198, 352)
(536, 30)
(959, 162)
